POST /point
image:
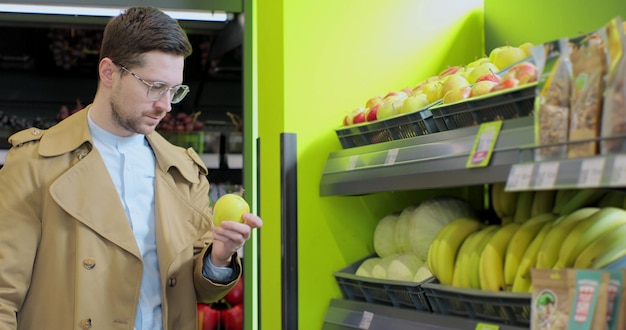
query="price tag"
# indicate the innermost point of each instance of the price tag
(392, 154)
(591, 171)
(546, 175)
(484, 144)
(486, 326)
(366, 320)
(519, 177)
(618, 176)
(352, 162)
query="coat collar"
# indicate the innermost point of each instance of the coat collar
(73, 132)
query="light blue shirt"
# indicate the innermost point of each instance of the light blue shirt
(132, 165)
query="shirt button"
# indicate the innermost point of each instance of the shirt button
(85, 323)
(89, 263)
(82, 155)
(35, 132)
(172, 281)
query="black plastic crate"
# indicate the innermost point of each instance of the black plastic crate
(510, 308)
(501, 105)
(390, 129)
(378, 291)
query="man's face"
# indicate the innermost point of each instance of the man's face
(132, 112)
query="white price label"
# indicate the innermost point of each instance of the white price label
(366, 320)
(591, 171)
(392, 154)
(352, 162)
(519, 177)
(546, 175)
(618, 176)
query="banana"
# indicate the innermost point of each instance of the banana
(561, 227)
(508, 202)
(524, 206)
(561, 197)
(606, 249)
(491, 263)
(612, 198)
(432, 252)
(460, 278)
(543, 202)
(582, 198)
(522, 281)
(449, 242)
(474, 258)
(586, 231)
(497, 189)
(520, 242)
(506, 220)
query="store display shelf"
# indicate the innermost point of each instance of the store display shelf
(428, 161)
(347, 314)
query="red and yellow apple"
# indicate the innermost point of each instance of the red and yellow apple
(371, 114)
(505, 84)
(354, 117)
(450, 70)
(524, 72)
(482, 87)
(453, 82)
(373, 101)
(457, 94)
(481, 70)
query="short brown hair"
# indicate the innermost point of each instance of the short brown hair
(139, 30)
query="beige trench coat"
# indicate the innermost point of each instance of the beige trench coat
(68, 257)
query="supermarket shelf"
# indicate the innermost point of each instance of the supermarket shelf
(428, 161)
(589, 172)
(348, 314)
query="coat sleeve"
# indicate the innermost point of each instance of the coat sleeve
(20, 220)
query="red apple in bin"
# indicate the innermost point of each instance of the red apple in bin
(449, 70)
(489, 77)
(235, 295)
(505, 84)
(208, 317)
(482, 87)
(232, 318)
(524, 72)
(354, 117)
(372, 113)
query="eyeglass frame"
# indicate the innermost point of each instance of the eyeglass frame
(153, 85)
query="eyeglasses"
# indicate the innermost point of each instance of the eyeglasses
(158, 89)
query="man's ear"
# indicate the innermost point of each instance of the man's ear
(106, 69)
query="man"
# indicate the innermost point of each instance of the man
(104, 223)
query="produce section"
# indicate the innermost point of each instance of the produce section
(550, 213)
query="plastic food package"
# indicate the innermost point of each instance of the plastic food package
(552, 112)
(614, 106)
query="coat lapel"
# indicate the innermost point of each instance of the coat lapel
(92, 199)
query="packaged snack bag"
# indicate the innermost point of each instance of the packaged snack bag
(620, 316)
(552, 292)
(614, 105)
(615, 287)
(552, 104)
(589, 300)
(588, 69)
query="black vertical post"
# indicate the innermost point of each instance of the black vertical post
(289, 230)
(258, 241)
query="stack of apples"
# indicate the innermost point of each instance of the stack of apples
(453, 84)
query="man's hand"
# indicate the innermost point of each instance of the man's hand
(230, 237)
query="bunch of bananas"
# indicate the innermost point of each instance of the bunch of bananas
(586, 230)
(519, 206)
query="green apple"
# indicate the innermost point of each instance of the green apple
(526, 46)
(229, 207)
(414, 102)
(481, 70)
(431, 90)
(477, 62)
(509, 55)
(453, 82)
